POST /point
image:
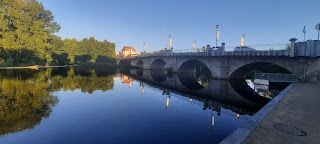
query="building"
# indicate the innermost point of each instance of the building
(128, 51)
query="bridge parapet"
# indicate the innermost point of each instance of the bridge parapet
(306, 49)
(258, 53)
(278, 49)
(310, 48)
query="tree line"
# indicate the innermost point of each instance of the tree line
(27, 38)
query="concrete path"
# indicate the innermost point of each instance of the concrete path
(295, 119)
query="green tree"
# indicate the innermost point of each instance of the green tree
(26, 24)
(71, 47)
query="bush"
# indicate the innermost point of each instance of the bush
(9, 62)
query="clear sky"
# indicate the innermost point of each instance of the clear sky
(131, 22)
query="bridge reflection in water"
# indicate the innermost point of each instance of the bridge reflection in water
(235, 95)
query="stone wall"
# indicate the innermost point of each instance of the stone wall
(310, 48)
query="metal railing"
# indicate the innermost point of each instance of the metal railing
(258, 53)
(259, 47)
(190, 50)
(276, 77)
(277, 49)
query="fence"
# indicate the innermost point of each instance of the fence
(259, 47)
(276, 49)
(276, 77)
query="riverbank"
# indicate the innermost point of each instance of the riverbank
(37, 67)
(292, 117)
(81, 65)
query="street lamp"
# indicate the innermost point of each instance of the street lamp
(318, 29)
(144, 46)
(304, 31)
(217, 35)
(242, 40)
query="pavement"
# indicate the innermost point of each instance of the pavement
(294, 119)
(291, 117)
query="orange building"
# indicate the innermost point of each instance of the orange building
(128, 51)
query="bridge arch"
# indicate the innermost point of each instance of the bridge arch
(240, 71)
(140, 64)
(158, 64)
(192, 66)
(194, 74)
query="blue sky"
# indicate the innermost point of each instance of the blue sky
(131, 22)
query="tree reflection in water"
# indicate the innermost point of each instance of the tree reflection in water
(26, 95)
(25, 100)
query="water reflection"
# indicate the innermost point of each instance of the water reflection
(24, 100)
(26, 95)
(127, 80)
(244, 89)
(213, 94)
(157, 75)
(87, 81)
(195, 80)
(123, 107)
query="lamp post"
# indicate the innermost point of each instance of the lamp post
(304, 31)
(194, 45)
(170, 41)
(242, 40)
(217, 35)
(144, 46)
(318, 29)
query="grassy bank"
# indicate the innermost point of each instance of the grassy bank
(96, 66)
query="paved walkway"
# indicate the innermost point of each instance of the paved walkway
(295, 119)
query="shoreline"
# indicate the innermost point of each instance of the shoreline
(241, 133)
(37, 67)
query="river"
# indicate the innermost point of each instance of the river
(70, 105)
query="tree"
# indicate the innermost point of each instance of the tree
(26, 24)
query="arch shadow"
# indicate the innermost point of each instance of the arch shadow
(266, 67)
(158, 75)
(158, 64)
(244, 90)
(193, 74)
(239, 84)
(139, 72)
(140, 64)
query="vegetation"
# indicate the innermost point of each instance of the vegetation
(72, 51)
(27, 38)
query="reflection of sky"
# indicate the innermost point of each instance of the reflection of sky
(124, 115)
(260, 86)
(250, 83)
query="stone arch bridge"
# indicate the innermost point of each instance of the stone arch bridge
(306, 68)
(303, 60)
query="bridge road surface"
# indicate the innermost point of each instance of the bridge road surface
(296, 111)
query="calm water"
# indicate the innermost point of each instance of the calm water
(94, 106)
